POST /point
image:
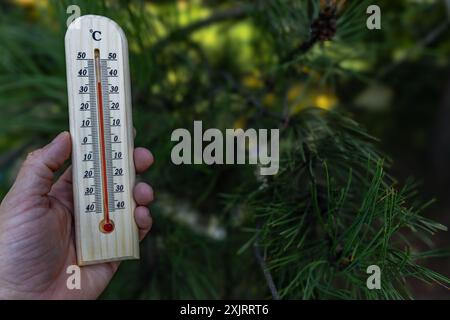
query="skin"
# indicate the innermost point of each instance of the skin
(37, 241)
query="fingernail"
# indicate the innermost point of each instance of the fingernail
(60, 137)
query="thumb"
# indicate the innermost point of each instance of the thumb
(36, 175)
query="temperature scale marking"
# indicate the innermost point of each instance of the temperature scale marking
(106, 225)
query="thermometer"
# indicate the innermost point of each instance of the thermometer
(98, 83)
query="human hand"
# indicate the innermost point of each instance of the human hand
(37, 241)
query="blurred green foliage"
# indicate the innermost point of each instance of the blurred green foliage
(223, 62)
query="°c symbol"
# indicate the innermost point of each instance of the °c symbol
(96, 35)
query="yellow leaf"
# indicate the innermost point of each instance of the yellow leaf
(295, 91)
(325, 101)
(25, 3)
(269, 100)
(240, 123)
(252, 81)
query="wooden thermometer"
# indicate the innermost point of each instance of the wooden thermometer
(98, 83)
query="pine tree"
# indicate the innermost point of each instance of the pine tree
(309, 232)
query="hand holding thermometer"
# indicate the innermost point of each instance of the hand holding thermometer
(98, 84)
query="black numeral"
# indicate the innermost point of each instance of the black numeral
(121, 204)
(88, 174)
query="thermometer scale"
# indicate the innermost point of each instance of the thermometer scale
(98, 83)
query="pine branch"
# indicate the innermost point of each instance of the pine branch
(332, 211)
(323, 28)
(426, 41)
(235, 13)
(300, 50)
(265, 270)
